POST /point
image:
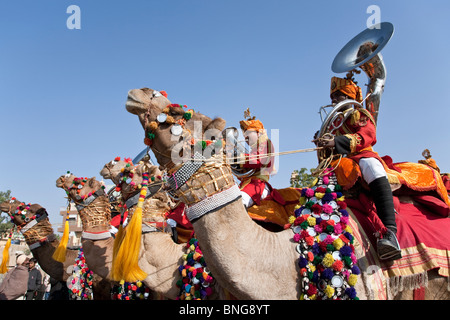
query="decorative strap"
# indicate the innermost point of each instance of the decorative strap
(88, 200)
(185, 172)
(33, 222)
(213, 203)
(151, 190)
(153, 227)
(37, 244)
(96, 235)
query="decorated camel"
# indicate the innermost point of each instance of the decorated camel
(32, 220)
(158, 210)
(251, 262)
(159, 256)
(95, 217)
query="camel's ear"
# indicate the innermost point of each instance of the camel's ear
(41, 211)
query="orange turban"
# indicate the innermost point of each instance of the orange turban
(347, 87)
(255, 125)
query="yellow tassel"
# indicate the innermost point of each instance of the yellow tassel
(60, 252)
(118, 240)
(128, 254)
(115, 272)
(5, 259)
(126, 263)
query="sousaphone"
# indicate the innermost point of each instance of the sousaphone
(363, 52)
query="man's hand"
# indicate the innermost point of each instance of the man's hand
(328, 142)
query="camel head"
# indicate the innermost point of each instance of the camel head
(159, 203)
(20, 212)
(149, 105)
(78, 188)
(112, 169)
(65, 181)
(130, 178)
(10, 206)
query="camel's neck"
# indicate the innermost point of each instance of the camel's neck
(96, 216)
(38, 233)
(244, 257)
(160, 260)
(42, 242)
(96, 238)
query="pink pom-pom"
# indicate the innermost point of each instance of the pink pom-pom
(309, 193)
(318, 228)
(338, 228)
(328, 240)
(327, 208)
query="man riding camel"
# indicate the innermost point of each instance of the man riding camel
(355, 139)
(256, 187)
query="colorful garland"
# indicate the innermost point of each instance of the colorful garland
(80, 283)
(130, 291)
(327, 259)
(196, 280)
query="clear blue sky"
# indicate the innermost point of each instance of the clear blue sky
(63, 92)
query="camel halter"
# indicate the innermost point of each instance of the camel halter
(32, 231)
(88, 205)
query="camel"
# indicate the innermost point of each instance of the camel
(250, 261)
(42, 242)
(159, 256)
(95, 217)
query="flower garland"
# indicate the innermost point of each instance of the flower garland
(196, 280)
(327, 259)
(80, 283)
(130, 291)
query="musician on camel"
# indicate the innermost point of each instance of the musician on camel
(355, 139)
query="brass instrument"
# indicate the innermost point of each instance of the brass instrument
(363, 52)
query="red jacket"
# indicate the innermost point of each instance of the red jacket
(357, 136)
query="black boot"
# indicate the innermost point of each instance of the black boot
(388, 247)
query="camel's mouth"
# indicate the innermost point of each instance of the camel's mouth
(132, 100)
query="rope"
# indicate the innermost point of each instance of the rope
(261, 155)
